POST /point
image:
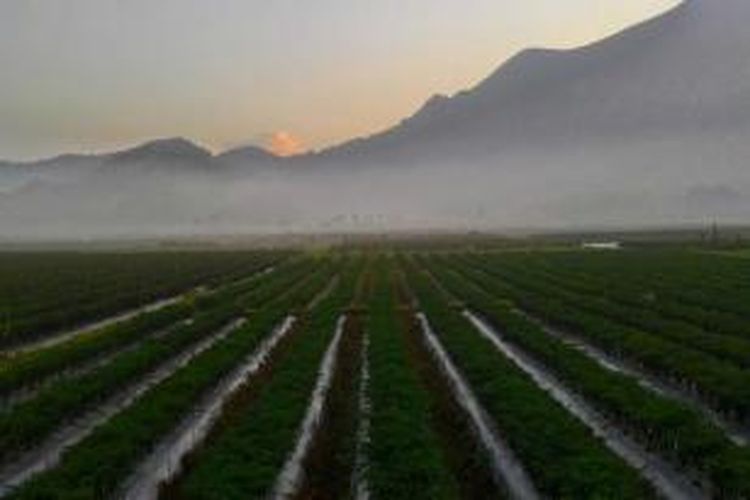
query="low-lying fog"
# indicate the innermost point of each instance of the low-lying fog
(623, 185)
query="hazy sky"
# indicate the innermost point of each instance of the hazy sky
(89, 75)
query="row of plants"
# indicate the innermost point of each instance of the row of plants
(463, 446)
(669, 428)
(24, 369)
(24, 425)
(96, 466)
(330, 462)
(703, 269)
(659, 309)
(721, 385)
(405, 456)
(246, 450)
(86, 277)
(563, 457)
(38, 300)
(727, 348)
(709, 282)
(330, 466)
(645, 296)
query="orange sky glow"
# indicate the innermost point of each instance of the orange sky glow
(98, 75)
(283, 143)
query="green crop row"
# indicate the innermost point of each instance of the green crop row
(729, 348)
(244, 456)
(35, 287)
(563, 457)
(654, 298)
(721, 385)
(26, 424)
(26, 368)
(37, 298)
(707, 282)
(95, 466)
(404, 454)
(665, 426)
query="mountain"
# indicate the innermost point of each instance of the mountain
(684, 72)
(63, 168)
(247, 154)
(649, 126)
(681, 74)
(155, 157)
(249, 159)
(171, 151)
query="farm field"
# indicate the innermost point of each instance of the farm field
(381, 373)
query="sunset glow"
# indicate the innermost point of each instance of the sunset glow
(283, 143)
(225, 72)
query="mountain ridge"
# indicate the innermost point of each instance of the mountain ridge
(523, 62)
(649, 124)
(506, 89)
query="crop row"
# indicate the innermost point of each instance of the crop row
(24, 425)
(667, 427)
(243, 456)
(723, 386)
(729, 348)
(724, 335)
(404, 454)
(87, 471)
(332, 464)
(25, 368)
(706, 281)
(563, 457)
(329, 465)
(712, 271)
(631, 292)
(86, 277)
(34, 302)
(473, 455)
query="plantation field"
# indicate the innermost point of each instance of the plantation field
(401, 373)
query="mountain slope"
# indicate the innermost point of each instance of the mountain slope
(649, 126)
(174, 150)
(685, 72)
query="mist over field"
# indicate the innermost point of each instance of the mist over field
(648, 127)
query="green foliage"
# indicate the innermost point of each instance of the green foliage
(404, 455)
(681, 316)
(662, 425)
(723, 386)
(244, 458)
(130, 434)
(635, 309)
(561, 454)
(41, 293)
(26, 368)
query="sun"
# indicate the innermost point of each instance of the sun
(282, 143)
